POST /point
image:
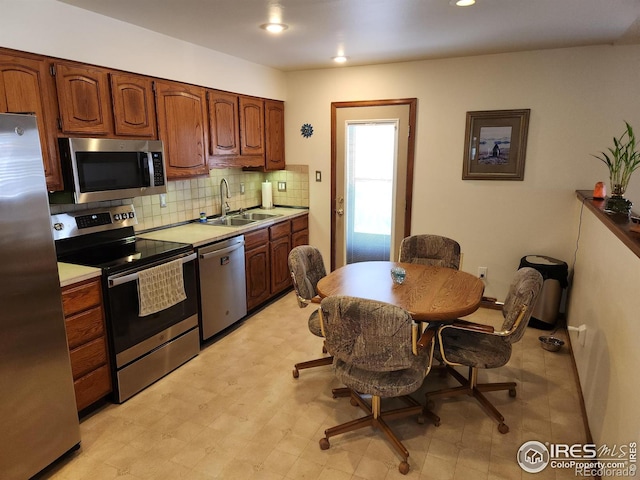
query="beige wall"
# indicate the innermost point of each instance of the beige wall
(578, 100)
(605, 298)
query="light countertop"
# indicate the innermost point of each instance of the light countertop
(70, 273)
(196, 234)
(199, 234)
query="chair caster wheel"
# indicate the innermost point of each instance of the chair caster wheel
(512, 392)
(436, 423)
(296, 373)
(403, 468)
(324, 444)
(503, 428)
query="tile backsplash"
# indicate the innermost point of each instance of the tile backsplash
(185, 199)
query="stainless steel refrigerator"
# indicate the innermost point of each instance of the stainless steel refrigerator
(37, 400)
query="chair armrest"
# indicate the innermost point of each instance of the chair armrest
(477, 327)
(425, 339)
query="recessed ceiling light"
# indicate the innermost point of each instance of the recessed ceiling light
(274, 27)
(340, 59)
(463, 3)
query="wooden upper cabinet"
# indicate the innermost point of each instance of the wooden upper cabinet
(134, 111)
(182, 122)
(83, 98)
(251, 126)
(26, 87)
(224, 126)
(274, 137)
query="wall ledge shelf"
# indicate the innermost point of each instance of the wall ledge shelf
(620, 226)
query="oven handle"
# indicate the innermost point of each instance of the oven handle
(115, 281)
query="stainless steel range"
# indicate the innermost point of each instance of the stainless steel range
(144, 347)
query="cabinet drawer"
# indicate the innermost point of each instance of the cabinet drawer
(300, 223)
(253, 239)
(92, 387)
(88, 357)
(80, 297)
(280, 230)
(300, 238)
(84, 327)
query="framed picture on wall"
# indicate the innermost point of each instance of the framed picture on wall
(495, 145)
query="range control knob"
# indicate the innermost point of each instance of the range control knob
(58, 226)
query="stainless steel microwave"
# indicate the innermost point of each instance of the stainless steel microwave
(99, 169)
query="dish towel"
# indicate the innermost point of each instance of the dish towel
(160, 287)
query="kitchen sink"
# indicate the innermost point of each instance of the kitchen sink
(256, 216)
(229, 222)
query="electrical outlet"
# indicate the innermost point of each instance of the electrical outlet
(282, 186)
(482, 273)
(241, 188)
(163, 200)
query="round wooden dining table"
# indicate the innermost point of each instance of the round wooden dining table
(428, 293)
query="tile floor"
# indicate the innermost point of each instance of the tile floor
(235, 412)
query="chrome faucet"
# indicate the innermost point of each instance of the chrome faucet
(224, 206)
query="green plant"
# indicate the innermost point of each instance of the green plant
(623, 161)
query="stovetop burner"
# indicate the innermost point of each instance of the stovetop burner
(105, 239)
(120, 256)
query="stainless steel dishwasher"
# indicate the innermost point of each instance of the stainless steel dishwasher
(223, 297)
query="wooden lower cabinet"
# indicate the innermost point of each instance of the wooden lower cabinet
(84, 321)
(257, 267)
(300, 231)
(279, 247)
(266, 259)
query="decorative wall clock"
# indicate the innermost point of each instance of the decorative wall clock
(306, 130)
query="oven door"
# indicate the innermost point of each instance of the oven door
(133, 336)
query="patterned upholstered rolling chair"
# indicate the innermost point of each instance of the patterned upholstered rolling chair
(430, 250)
(376, 352)
(307, 268)
(479, 346)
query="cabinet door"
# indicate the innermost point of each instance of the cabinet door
(257, 275)
(182, 126)
(280, 276)
(26, 87)
(251, 126)
(224, 136)
(274, 136)
(134, 112)
(83, 98)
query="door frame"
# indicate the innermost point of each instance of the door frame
(411, 143)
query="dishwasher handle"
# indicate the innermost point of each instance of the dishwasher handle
(223, 251)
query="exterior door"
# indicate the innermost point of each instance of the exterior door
(372, 178)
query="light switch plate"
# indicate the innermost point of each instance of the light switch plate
(282, 186)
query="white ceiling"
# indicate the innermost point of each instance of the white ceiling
(378, 31)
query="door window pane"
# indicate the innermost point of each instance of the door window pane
(371, 155)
